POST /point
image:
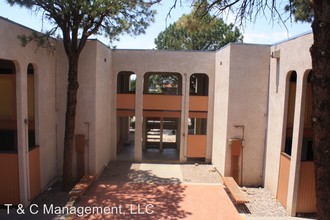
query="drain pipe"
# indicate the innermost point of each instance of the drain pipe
(243, 128)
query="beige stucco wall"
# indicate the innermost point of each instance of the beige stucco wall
(221, 95)
(93, 117)
(104, 120)
(43, 62)
(241, 99)
(248, 96)
(294, 55)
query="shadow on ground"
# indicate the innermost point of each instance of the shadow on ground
(125, 192)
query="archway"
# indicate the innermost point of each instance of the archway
(198, 111)
(9, 181)
(285, 157)
(162, 100)
(126, 82)
(290, 111)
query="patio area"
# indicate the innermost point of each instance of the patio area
(155, 191)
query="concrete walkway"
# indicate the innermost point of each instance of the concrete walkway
(155, 191)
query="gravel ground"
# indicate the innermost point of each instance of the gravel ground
(200, 173)
(262, 203)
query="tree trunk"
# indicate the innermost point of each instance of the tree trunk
(320, 52)
(70, 121)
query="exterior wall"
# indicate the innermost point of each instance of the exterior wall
(220, 114)
(185, 63)
(241, 89)
(247, 106)
(245, 86)
(294, 56)
(93, 117)
(43, 62)
(104, 120)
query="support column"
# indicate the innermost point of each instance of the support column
(144, 132)
(184, 118)
(22, 131)
(161, 134)
(297, 138)
(178, 133)
(138, 118)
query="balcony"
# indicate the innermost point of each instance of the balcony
(198, 103)
(162, 102)
(126, 101)
(196, 147)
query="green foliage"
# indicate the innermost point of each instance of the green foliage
(42, 40)
(198, 31)
(156, 81)
(301, 10)
(132, 85)
(78, 20)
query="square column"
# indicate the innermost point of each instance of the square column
(138, 118)
(184, 118)
(22, 131)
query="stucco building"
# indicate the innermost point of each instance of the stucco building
(244, 108)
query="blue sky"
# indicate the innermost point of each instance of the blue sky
(263, 31)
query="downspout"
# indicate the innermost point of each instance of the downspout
(274, 55)
(267, 122)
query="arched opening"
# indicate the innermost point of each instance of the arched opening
(290, 112)
(9, 170)
(8, 125)
(285, 157)
(162, 83)
(31, 106)
(199, 84)
(162, 101)
(126, 82)
(197, 122)
(307, 146)
(126, 87)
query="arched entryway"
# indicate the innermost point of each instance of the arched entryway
(296, 182)
(162, 101)
(125, 132)
(9, 168)
(198, 114)
(34, 148)
(285, 157)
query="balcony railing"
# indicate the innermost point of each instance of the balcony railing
(126, 101)
(196, 147)
(162, 102)
(9, 179)
(198, 103)
(283, 181)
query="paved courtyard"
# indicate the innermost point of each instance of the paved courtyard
(156, 191)
(127, 190)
